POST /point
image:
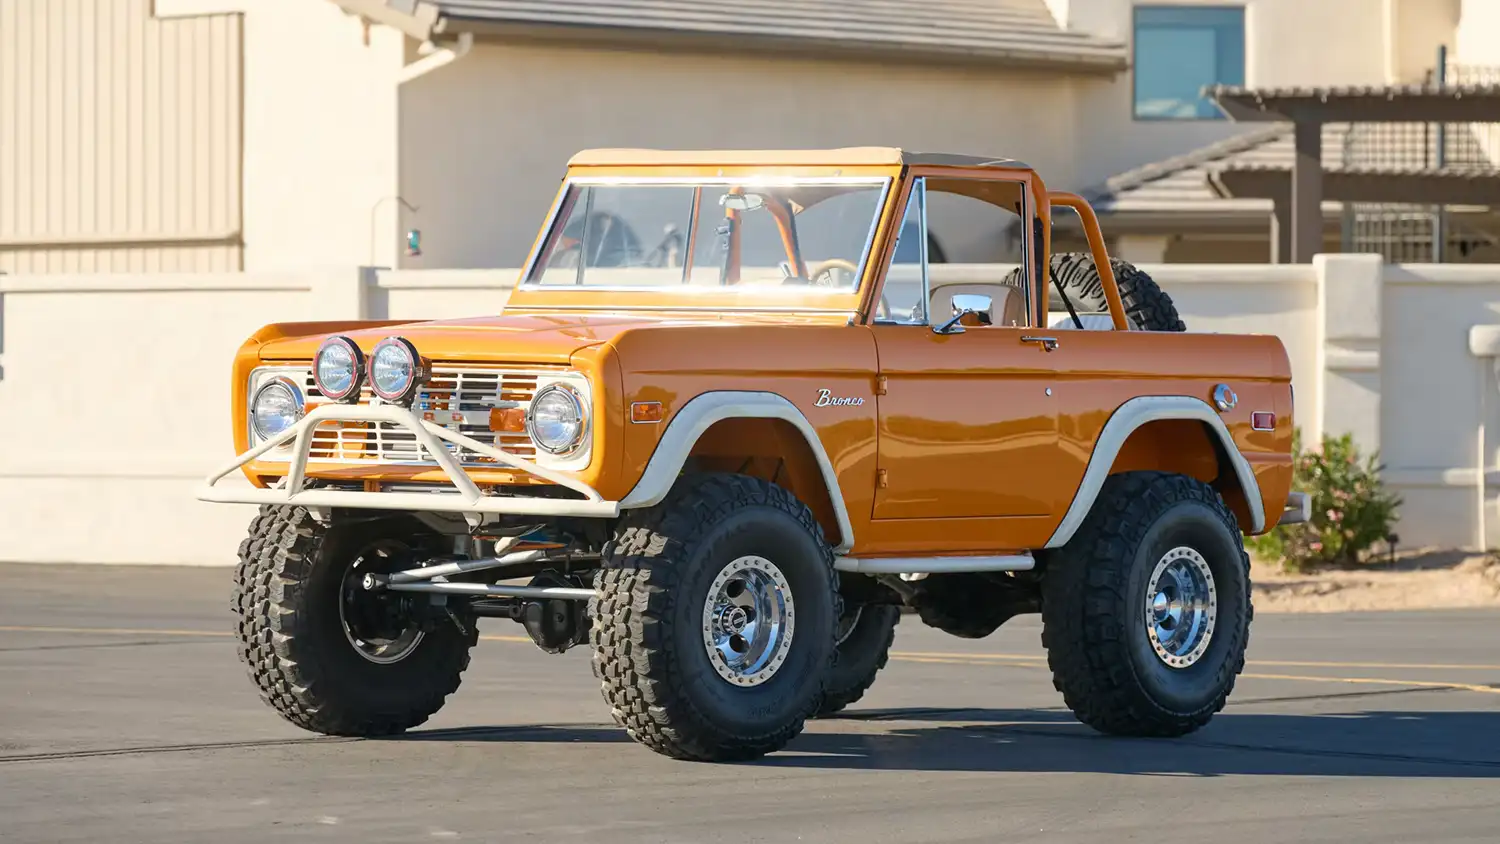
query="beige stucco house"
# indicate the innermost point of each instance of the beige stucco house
(196, 135)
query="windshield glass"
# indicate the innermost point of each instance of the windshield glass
(712, 233)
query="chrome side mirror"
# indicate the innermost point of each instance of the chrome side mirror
(964, 304)
(952, 326)
(975, 303)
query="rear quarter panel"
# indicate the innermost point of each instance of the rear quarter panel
(1098, 371)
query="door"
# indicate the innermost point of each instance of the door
(968, 426)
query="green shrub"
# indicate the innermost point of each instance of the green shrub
(1351, 509)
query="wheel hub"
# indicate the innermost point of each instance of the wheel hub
(1181, 607)
(733, 619)
(379, 625)
(748, 621)
(1161, 605)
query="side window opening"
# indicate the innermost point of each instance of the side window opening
(979, 218)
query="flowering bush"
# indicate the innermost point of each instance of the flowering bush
(1351, 508)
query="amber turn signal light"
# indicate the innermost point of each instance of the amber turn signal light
(508, 420)
(645, 412)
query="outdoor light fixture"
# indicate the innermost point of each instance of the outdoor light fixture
(396, 370)
(338, 369)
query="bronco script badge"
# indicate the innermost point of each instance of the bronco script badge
(827, 400)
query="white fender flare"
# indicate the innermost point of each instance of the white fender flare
(1132, 415)
(698, 415)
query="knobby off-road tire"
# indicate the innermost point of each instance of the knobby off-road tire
(656, 579)
(292, 637)
(1095, 610)
(1147, 306)
(862, 652)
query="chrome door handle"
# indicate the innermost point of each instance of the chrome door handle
(1048, 343)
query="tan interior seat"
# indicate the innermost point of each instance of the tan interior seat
(1007, 305)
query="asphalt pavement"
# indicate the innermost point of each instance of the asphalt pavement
(125, 717)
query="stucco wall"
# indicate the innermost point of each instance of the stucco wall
(1478, 36)
(1415, 30)
(320, 137)
(1288, 42)
(484, 140)
(1383, 352)
(1478, 43)
(99, 460)
(1315, 42)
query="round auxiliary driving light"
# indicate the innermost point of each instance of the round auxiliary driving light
(276, 406)
(396, 370)
(338, 368)
(556, 419)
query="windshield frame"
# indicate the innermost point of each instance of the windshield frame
(528, 294)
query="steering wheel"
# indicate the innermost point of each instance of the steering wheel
(824, 267)
(882, 310)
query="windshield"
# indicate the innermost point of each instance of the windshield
(712, 233)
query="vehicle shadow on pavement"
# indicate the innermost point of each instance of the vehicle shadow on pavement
(1462, 744)
(520, 734)
(1384, 743)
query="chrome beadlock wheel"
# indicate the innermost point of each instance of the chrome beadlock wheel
(748, 621)
(846, 625)
(1181, 604)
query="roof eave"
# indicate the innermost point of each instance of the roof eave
(1083, 63)
(1332, 105)
(1196, 220)
(1419, 187)
(415, 18)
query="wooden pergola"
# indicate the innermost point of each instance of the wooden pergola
(1297, 194)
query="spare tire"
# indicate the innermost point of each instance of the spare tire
(1147, 306)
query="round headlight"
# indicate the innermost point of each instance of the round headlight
(277, 405)
(556, 419)
(337, 369)
(396, 370)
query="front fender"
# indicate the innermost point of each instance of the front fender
(701, 413)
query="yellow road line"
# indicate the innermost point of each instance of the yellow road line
(1427, 684)
(1028, 660)
(116, 631)
(968, 659)
(1414, 666)
(955, 659)
(1283, 663)
(948, 655)
(142, 631)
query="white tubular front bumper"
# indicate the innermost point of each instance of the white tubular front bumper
(464, 497)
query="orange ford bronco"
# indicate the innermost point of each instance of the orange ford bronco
(742, 408)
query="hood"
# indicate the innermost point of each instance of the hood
(518, 338)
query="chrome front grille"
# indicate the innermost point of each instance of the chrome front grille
(459, 399)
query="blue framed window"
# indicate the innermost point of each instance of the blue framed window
(1181, 49)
